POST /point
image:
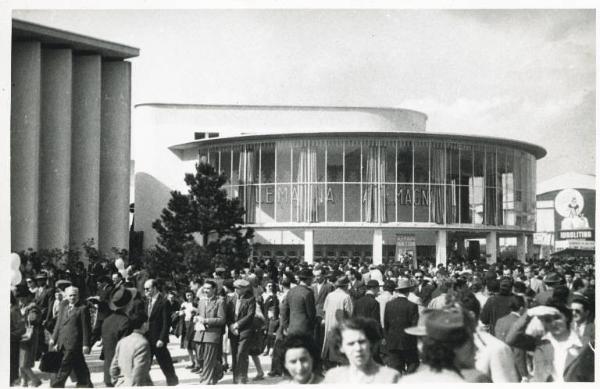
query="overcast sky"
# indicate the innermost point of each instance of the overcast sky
(522, 74)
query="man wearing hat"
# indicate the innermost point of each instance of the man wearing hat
(321, 288)
(115, 327)
(239, 316)
(338, 305)
(299, 312)
(366, 306)
(551, 281)
(400, 314)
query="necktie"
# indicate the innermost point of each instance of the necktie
(237, 307)
(149, 308)
(69, 311)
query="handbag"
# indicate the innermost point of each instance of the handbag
(51, 361)
(26, 337)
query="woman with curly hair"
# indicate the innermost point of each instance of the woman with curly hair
(301, 360)
(356, 338)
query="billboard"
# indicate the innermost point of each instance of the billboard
(574, 214)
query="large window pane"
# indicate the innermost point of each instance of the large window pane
(267, 204)
(421, 201)
(352, 202)
(405, 168)
(390, 161)
(284, 167)
(421, 162)
(225, 166)
(335, 161)
(466, 213)
(352, 160)
(283, 198)
(390, 202)
(452, 195)
(304, 170)
(437, 177)
(373, 196)
(466, 165)
(334, 202)
(267, 164)
(405, 201)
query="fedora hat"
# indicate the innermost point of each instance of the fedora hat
(63, 284)
(441, 325)
(419, 329)
(305, 274)
(404, 283)
(552, 278)
(119, 298)
(41, 276)
(342, 281)
(22, 291)
(241, 283)
(372, 284)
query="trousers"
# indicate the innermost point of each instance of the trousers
(72, 361)
(240, 349)
(163, 357)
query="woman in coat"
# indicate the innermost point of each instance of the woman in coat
(558, 355)
(28, 347)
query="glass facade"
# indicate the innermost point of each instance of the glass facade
(371, 180)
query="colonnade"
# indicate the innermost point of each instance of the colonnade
(70, 147)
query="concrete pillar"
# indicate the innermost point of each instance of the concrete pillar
(85, 149)
(55, 148)
(530, 248)
(460, 247)
(521, 247)
(309, 246)
(115, 153)
(491, 247)
(441, 243)
(25, 144)
(377, 247)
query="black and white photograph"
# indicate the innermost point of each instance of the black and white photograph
(215, 193)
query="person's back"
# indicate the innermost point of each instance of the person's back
(132, 361)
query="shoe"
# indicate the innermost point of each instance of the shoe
(273, 374)
(259, 377)
(195, 370)
(190, 366)
(225, 368)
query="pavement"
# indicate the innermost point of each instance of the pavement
(180, 361)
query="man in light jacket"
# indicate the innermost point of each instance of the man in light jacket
(133, 358)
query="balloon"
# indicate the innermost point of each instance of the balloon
(15, 261)
(119, 264)
(15, 277)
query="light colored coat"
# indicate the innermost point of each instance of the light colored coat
(338, 305)
(131, 363)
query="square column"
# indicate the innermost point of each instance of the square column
(521, 248)
(309, 246)
(377, 247)
(491, 247)
(529, 246)
(441, 243)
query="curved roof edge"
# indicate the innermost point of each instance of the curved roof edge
(275, 107)
(568, 180)
(180, 149)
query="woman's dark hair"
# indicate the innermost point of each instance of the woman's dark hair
(439, 354)
(367, 326)
(578, 284)
(212, 283)
(302, 341)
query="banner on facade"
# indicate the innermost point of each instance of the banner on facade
(406, 246)
(542, 238)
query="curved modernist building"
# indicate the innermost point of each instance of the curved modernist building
(321, 182)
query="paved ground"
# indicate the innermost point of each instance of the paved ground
(180, 360)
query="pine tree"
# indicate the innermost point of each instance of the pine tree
(204, 214)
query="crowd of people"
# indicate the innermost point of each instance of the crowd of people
(335, 322)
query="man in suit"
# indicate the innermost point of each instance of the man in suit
(321, 288)
(208, 330)
(366, 306)
(133, 358)
(400, 314)
(158, 311)
(299, 312)
(423, 288)
(115, 327)
(240, 314)
(504, 324)
(72, 337)
(533, 282)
